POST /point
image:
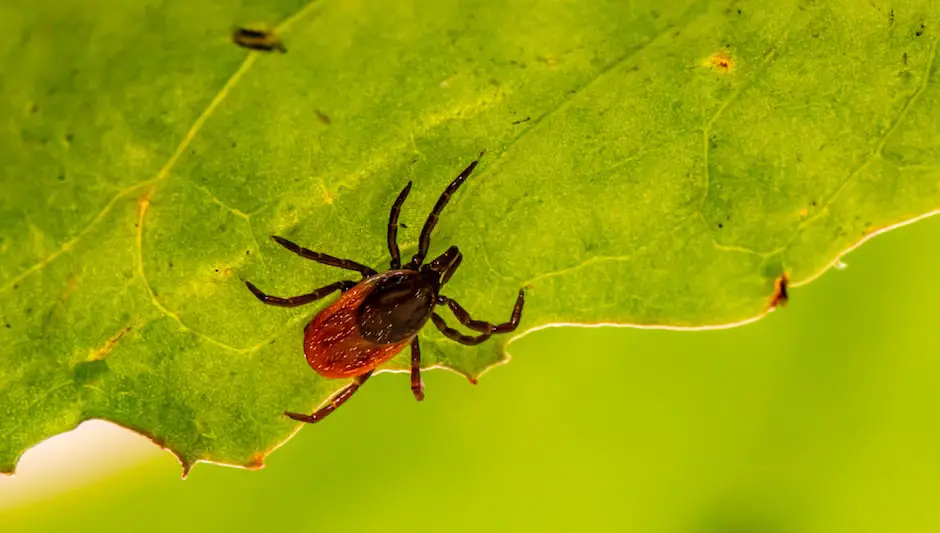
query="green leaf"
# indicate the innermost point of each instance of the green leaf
(650, 163)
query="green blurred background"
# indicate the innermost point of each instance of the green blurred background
(821, 417)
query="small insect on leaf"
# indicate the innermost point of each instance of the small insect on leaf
(253, 39)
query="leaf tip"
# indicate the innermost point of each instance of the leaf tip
(187, 468)
(781, 293)
(256, 462)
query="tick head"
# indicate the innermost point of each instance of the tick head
(442, 268)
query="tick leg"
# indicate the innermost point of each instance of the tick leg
(485, 327)
(334, 402)
(424, 242)
(295, 301)
(417, 387)
(393, 227)
(323, 258)
(453, 334)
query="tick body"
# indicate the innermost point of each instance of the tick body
(368, 324)
(377, 317)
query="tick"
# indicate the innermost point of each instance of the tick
(375, 318)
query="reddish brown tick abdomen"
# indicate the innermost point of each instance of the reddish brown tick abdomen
(333, 344)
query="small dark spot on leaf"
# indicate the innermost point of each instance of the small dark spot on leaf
(739, 12)
(8, 326)
(217, 271)
(15, 286)
(720, 225)
(891, 17)
(247, 252)
(815, 36)
(34, 108)
(61, 177)
(69, 137)
(192, 151)
(921, 30)
(322, 117)
(29, 310)
(655, 14)
(404, 225)
(521, 121)
(171, 264)
(234, 144)
(904, 58)
(813, 203)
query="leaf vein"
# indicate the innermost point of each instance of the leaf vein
(706, 130)
(70, 244)
(874, 153)
(215, 199)
(604, 72)
(597, 259)
(168, 166)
